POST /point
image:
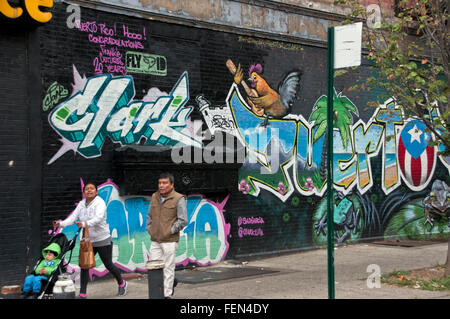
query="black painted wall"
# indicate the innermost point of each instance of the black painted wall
(202, 54)
(20, 143)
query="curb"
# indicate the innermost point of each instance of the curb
(11, 292)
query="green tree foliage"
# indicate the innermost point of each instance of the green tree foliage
(342, 109)
(409, 48)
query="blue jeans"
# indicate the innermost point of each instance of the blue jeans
(33, 283)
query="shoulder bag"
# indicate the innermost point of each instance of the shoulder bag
(86, 258)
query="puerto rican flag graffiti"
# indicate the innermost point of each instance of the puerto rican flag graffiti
(415, 157)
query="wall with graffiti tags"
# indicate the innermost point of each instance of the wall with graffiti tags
(204, 240)
(167, 94)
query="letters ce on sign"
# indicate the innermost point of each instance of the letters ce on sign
(32, 7)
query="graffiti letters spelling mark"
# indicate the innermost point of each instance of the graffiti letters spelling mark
(55, 93)
(202, 241)
(104, 108)
(138, 62)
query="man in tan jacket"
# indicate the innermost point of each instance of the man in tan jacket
(166, 217)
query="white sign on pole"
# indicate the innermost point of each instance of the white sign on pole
(347, 45)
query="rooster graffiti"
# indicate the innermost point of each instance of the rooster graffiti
(264, 100)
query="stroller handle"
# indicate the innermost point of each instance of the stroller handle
(72, 241)
(54, 231)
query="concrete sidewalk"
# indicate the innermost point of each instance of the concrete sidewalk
(301, 275)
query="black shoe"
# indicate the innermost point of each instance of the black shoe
(175, 283)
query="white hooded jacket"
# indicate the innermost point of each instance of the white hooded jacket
(95, 216)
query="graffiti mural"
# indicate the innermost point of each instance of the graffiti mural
(301, 144)
(110, 39)
(55, 93)
(138, 62)
(437, 202)
(103, 107)
(264, 100)
(287, 154)
(346, 219)
(204, 240)
(151, 92)
(250, 226)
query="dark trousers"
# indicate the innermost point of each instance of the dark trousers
(105, 253)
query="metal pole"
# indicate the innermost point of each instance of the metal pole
(155, 269)
(330, 223)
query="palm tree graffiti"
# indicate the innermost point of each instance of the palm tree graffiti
(342, 120)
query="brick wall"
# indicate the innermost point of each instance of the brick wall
(202, 54)
(20, 169)
(288, 222)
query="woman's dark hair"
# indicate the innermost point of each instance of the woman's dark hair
(89, 183)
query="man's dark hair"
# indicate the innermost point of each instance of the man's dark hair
(167, 175)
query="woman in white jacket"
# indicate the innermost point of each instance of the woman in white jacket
(92, 211)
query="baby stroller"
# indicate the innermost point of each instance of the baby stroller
(66, 246)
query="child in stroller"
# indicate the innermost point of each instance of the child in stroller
(32, 285)
(48, 267)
